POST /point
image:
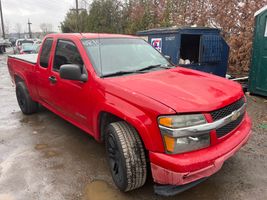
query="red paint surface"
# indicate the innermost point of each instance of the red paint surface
(137, 99)
(188, 167)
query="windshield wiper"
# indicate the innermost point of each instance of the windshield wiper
(153, 66)
(119, 73)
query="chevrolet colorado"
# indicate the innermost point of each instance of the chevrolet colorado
(180, 125)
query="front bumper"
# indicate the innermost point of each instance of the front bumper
(189, 167)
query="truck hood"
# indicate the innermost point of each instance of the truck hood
(182, 89)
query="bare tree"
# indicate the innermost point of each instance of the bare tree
(46, 27)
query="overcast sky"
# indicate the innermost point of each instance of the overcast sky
(38, 11)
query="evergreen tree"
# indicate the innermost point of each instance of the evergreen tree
(105, 16)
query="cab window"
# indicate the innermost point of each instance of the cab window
(45, 54)
(66, 53)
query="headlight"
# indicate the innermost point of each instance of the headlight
(177, 138)
(180, 121)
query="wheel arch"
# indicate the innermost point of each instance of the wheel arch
(106, 117)
(17, 78)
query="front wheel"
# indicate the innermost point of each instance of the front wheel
(126, 156)
(26, 104)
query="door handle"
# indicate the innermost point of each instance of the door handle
(52, 79)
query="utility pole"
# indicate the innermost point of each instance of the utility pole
(77, 10)
(29, 25)
(77, 16)
(2, 20)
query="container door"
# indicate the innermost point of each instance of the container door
(261, 63)
(170, 47)
(210, 49)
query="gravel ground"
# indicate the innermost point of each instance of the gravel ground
(44, 157)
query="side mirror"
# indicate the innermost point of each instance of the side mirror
(73, 72)
(168, 58)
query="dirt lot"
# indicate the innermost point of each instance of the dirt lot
(44, 157)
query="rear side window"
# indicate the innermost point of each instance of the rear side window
(66, 53)
(45, 54)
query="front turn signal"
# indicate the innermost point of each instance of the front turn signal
(169, 143)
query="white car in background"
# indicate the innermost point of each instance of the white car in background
(20, 42)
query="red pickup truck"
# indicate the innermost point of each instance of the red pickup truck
(178, 124)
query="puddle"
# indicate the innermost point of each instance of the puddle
(41, 146)
(100, 190)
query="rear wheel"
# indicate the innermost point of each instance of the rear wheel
(26, 104)
(126, 156)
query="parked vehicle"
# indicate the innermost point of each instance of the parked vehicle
(12, 40)
(4, 44)
(36, 48)
(19, 44)
(179, 124)
(29, 48)
(37, 41)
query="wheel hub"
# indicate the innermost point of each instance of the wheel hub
(114, 158)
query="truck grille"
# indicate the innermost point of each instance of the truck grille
(229, 127)
(223, 112)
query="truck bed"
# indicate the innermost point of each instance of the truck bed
(31, 58)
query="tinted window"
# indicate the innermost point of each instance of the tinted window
(66, 53)
(45, 54)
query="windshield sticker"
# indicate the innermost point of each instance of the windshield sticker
(157, 43)
(92, 43)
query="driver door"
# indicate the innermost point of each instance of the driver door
(70, 97)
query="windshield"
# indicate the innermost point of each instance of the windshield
(113, 55)
(20, 42)
(27, 46)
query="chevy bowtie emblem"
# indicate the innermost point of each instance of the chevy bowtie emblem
(236, 114)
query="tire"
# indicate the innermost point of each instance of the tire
(26, 104)
(126, 156)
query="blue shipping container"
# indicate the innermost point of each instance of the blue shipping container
(201, 49)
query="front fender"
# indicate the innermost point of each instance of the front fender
(142, 118)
